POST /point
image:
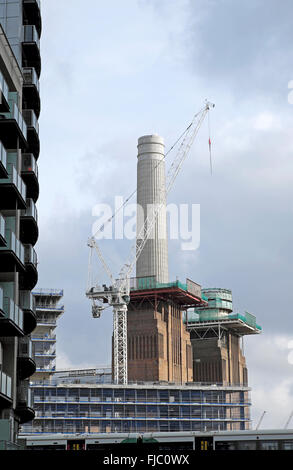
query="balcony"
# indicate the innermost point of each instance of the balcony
(12, 255)
(32, 14)
(12, 190)
(29, 174)
(3, 162)
(31, 90)
(11, 319)
(4, 94)
(24, 407)
(2, 231)
(31, 56)
(29, 278)
(26, 365)
(5, 390)
(33, 139)
(29, 231)
(27, 303)
(13, 131)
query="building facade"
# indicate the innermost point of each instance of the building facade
(94, 407)
(159, 346)
(216, 337)
(20, 67)
(48, 310)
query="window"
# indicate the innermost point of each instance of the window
(269, 445)
(288, 445)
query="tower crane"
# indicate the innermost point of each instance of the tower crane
(117, 294)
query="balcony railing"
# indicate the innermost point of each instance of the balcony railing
(30, 34)
(44, 337)
(14, 245)
(31, 119)
(2, 227)
(3, 155)
(5, 385)
(14, 178)
(25, 347)
(31, 210)
(25, 395)
(27, 300)
(4, 87)
(13, 312)
(30, 256)
(16, 114)
(30, 77)
(29, 163)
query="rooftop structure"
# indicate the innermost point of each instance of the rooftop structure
(215, 333)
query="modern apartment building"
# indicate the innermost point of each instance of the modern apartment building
(20, 67)
(48, 310)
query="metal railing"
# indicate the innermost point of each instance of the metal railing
(57, 292)
(150, 282)
(43, 337)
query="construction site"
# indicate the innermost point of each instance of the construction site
(177, 357)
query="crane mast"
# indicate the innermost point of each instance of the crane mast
(117, 294)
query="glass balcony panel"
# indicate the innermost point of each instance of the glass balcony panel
(29, 163)
(9, 386)
(31, 210)
(30, 77)
(3, 155)
(31, 119)
(30, 256)
(27, 300)
(30, 34)
(15, 178)
(16, 114)
(2, 226)
(4, 87)
(13, 312)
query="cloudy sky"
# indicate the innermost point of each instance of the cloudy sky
(113, 71)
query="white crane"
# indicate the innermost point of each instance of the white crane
(117, 294)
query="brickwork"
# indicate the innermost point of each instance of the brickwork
(159, 347)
